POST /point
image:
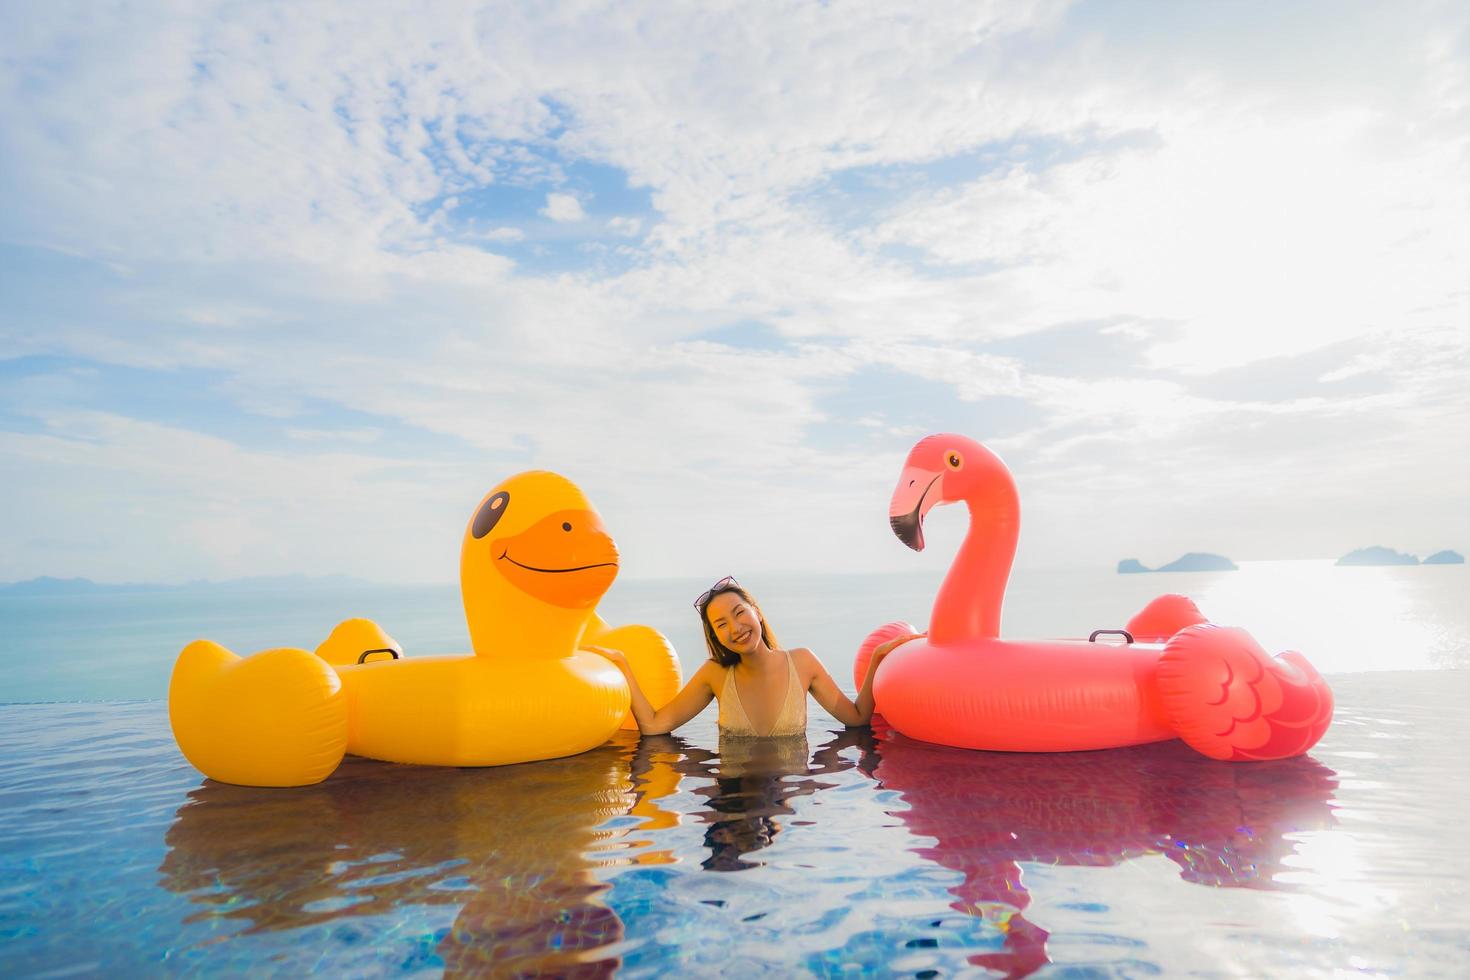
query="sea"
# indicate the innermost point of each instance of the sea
(121, 646)
(846, 852)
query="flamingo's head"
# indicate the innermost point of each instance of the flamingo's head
(941, 469)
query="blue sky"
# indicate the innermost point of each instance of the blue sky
(287, 289)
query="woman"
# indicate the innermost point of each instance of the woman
(761, 688)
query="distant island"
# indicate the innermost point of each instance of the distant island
(1378, 555)
(48, 586)
(1195, 561)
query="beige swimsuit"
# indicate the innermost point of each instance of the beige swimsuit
(790, 720)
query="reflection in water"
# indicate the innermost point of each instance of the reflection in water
(1224, 824)
(749, 790)
(751, 783)
(516, 853)
(507, 844)
(514, 848)
(758, 778)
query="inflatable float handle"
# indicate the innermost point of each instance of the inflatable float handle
(362, 658)
(1127, 636)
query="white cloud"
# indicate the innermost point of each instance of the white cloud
(300, 209)
(1254, 239)
(563, 207)
(171, 504)
(360, 436)
(624, 225)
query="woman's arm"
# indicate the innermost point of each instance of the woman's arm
(830, 696)
(685, 705)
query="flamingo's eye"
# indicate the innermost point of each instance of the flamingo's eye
(954, 460)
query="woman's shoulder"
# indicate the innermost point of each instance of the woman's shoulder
(808, 667)
(710, 673)
(802, 656)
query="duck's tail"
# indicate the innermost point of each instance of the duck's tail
(1229, 700)
(278, 718)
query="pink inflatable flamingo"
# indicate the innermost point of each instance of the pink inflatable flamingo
(1212, 686)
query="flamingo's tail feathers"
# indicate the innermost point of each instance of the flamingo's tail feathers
(1165, 616)
(865, 651)
(1226, 698)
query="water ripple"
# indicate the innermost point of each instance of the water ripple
(841, 853)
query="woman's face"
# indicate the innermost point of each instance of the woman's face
(735, 621)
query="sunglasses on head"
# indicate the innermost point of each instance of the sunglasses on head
(727, 582)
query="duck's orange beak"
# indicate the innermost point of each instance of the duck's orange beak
(917, 493)
(566, 559)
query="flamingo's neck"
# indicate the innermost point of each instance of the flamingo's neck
(969, 601)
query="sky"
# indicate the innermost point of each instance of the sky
(287, 288)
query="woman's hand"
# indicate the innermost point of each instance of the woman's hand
(860, 712)
(616, 656)
(888, 646)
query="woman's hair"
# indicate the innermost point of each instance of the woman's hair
(718, 652)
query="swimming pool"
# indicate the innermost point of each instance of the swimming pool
(846, 853)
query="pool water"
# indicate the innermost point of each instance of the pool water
(844, 853)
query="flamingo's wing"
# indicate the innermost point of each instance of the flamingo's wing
(1229, 700)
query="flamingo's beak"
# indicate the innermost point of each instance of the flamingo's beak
(915, 495)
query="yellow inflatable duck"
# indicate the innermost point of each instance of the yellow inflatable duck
(535, 561)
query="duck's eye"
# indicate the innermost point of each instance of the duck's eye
(566, 525)
(954, 461)
(489, 514)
